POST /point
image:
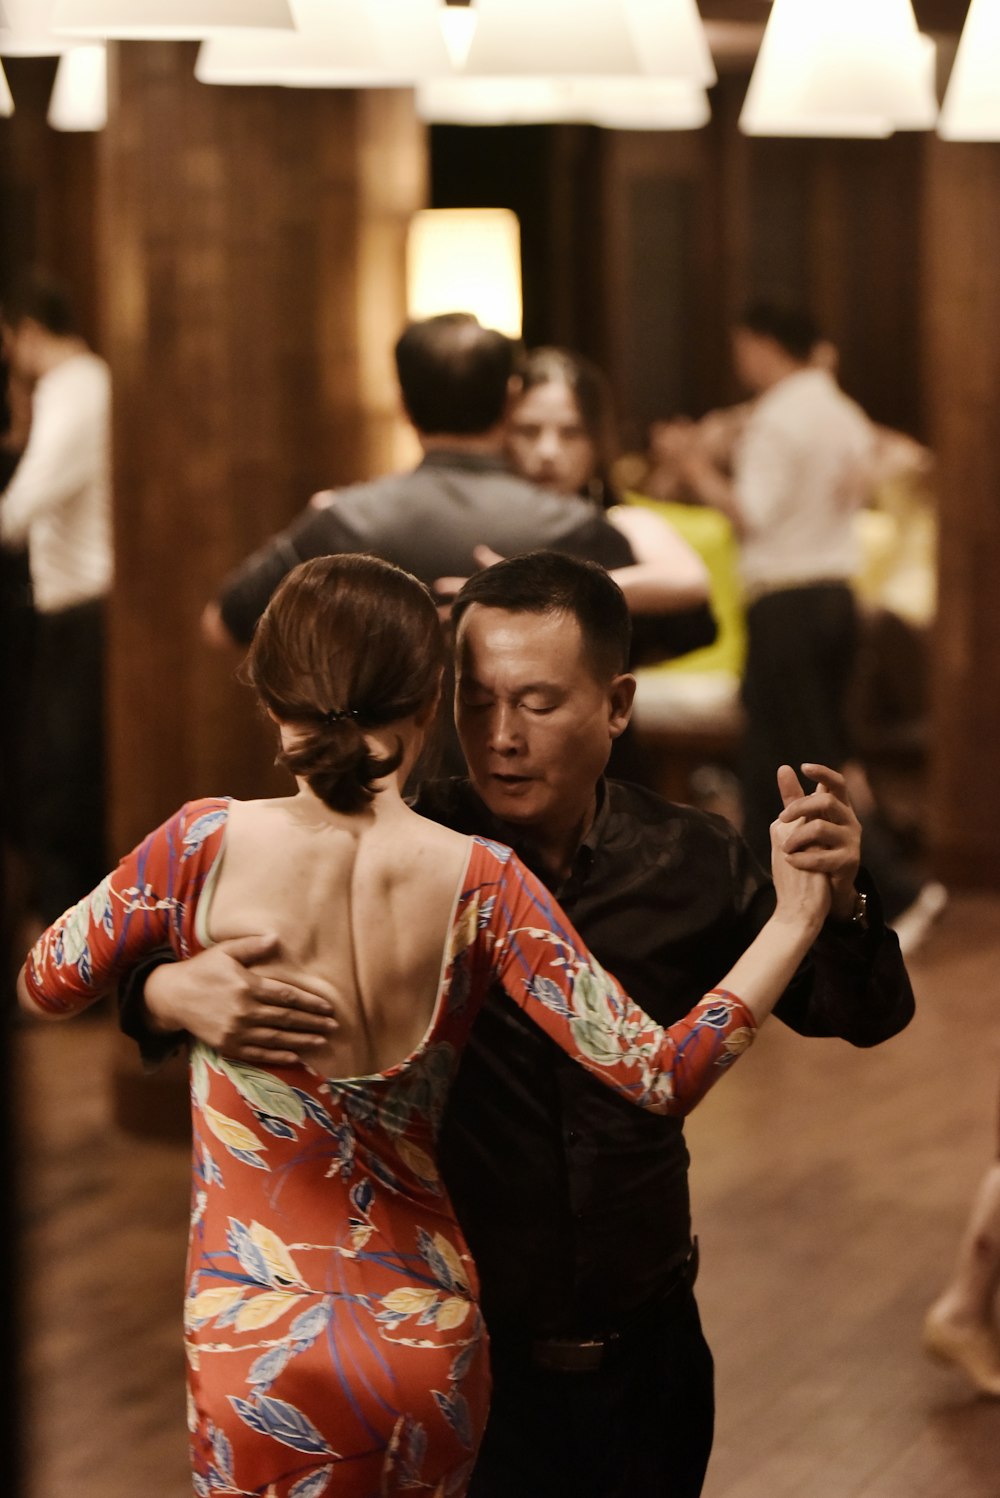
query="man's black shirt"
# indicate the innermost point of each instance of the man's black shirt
(575, 1202)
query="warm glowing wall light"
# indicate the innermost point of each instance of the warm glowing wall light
(465, 260)
(80, 93)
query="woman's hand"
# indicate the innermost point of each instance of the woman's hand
(824, 832)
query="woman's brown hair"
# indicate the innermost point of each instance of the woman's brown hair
(347, 644)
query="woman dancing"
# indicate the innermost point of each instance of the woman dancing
(334, 1340)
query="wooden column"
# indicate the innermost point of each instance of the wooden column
(252, 246)
(962, 362)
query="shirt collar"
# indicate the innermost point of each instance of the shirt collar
(504, 832)
(444, 457)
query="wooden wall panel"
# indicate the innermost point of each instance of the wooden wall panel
(962, 352)
(834, 224)
(252, 246)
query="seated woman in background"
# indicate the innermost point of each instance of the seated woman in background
(335, 1345)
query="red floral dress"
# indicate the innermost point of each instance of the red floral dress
(335, 1344)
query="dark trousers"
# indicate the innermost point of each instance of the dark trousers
(801, 649)
(65, 834)
(640, 1426)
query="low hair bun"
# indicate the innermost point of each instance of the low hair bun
(350, 630)
(335, 761)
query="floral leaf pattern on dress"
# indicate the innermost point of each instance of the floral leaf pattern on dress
(314, 1485)
(278, 1418)
(455, 1409)
(333, 1335)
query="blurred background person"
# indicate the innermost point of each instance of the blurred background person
(792, 469)
(57, 504)
(562, 435)
(961, 1326)
(456, 379)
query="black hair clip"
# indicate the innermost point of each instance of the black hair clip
(339, 715)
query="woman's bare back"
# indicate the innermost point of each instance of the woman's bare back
(362, 907)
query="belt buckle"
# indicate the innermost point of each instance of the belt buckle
(570, 1355)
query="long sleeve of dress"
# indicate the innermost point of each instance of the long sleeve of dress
(546, 969)
(146, 903)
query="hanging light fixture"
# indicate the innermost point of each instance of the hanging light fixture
(166, 20)
(670, 39)
(26, 31)
(80, 93)
(458, 26)
(515, 38)
(6, 98)
(615, 103)
(971, 107)
(337, 43)
(840, 68)
(372, 43)
(465, 260)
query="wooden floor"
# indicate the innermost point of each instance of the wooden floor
(830, 1186)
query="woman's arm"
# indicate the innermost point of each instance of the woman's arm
(667, 574)
(147, 902)
(546, 969)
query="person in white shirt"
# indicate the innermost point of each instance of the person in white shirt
(58, 504)
(799, 473)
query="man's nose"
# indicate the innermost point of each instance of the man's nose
(504, 729)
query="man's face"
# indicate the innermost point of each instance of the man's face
(535, 722)
(752, 359)
(20, 347)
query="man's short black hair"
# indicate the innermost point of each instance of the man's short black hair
(549, 582)
(454, 374)
(38, 295)
(793, 328)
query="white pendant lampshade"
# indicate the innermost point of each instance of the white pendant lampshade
(166, 20)
(6, 100)
(458, 20)
(922, 112)
(465, 260)
(615, 103)
(337, 43)
(371, 43)
(670, 39)
(971, 107)
(80, 93)
(840, 68)
(25, 30)
(601, 37)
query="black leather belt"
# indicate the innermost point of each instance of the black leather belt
(588, 1354)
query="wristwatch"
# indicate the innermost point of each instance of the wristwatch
(859, 915)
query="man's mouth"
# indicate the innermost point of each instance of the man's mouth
(510, 782)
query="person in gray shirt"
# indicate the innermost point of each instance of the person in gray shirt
(456, 378)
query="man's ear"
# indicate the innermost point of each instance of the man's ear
(515, 389)
(621, 696)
